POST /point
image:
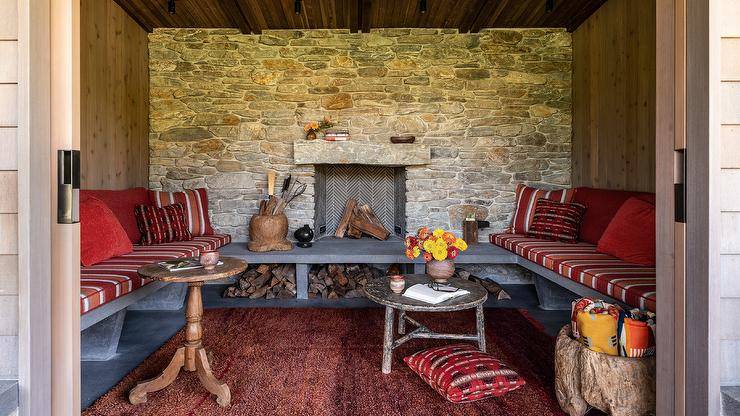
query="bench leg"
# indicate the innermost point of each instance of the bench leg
(168, 298)
(100, 341)
(301, 280)
(552, 297)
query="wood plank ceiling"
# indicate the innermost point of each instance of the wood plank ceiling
(253, 16)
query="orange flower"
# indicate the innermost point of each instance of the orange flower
(449, 237)
(423, 233)
(428, 256)
(410, 254)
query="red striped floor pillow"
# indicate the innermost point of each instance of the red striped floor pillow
(162, 225)
(461, 373)
(526, 201)
(195, 203)
(556, 221)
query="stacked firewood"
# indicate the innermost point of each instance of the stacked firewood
(334, 281)
(358, 220)
(267, 281)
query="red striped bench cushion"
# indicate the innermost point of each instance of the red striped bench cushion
(113, 278)
(631, 283)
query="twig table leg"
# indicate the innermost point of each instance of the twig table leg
(481, 326)
(401, 322)
(388, 340)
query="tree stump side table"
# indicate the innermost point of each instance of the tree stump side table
(191, 356)
(619, 386)
(379, 291)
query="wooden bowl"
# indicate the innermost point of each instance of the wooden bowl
(402, 139)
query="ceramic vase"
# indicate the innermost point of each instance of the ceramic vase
(209, 259)
(304, 235)
(397, 283)
(440, 271)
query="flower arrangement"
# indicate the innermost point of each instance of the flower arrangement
(437, 245)
(316, 126)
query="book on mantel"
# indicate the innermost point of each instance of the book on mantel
(424, 293)
(336, 135)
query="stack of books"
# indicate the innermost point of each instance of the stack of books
(336, 135)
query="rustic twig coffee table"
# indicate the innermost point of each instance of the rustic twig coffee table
(379, 291)
(191, 356)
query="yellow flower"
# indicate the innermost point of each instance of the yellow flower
(461, 244)
(440, 244)
(428, 245)
(440, 254)
(416, 251)
(438, 232)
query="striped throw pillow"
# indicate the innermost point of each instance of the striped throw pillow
(526, 203)
(461, 373)
(556, 220)
(161, 225)
(195, 203)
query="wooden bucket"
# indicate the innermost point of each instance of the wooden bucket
(268, 233)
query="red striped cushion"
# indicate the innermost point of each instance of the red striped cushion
(161, 225)
(526, 201)
(116, 277)
(195, 202)
(461, 373)
(556, 221)
(630, 283)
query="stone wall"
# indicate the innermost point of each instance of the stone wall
(495, 107)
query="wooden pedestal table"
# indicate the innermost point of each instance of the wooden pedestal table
(380, 292)
(191, 356)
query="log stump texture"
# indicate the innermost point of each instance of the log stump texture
(619, 386)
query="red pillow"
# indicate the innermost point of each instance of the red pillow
(461, 373)
(122, 203)
(526, 200)
(601, 205)
(162, 225)
(195, 202)
(556, 221)
(630, 236)
(101, 235)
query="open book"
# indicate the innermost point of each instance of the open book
(424, 293)
(182, 264)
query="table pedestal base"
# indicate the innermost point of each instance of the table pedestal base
(191, 357)
(421, 331)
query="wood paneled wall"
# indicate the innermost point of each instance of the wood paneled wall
(730, 200)
(8, 189)
(114, 73)
(614, 97)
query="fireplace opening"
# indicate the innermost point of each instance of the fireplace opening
(382, 188)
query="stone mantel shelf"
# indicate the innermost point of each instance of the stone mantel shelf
(320, 152)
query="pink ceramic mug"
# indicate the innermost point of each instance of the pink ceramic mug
(398, 283)
(209, 259)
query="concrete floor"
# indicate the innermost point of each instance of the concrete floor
(145, 331)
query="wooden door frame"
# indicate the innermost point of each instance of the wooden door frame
(687, 261)
(48, 253)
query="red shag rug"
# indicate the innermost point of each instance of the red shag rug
(327, 362)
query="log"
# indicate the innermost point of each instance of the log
(365, 220)
(349, 209)
(618, 386)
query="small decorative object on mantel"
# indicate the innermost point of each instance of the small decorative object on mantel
(334, 135)
(209, 259)
(440, 248)
(268, 229)
(470, 230)
(304, 235)
(402, 139)
(314, 128)
(397, 283)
